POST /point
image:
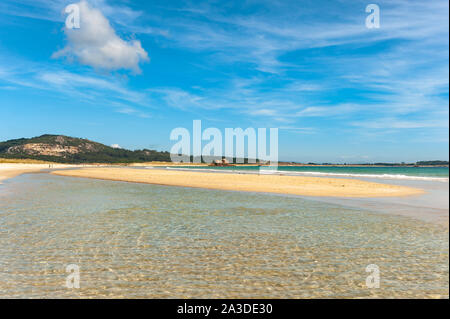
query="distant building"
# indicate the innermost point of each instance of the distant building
(221, 162)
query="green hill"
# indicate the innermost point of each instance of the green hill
(65, 149)
(434, 163)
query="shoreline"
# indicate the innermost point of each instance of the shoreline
(330, 174)
(11, 170)
(290, 185)
(143, 164)
(417, 199)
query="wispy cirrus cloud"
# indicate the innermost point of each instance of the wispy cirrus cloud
(398, 123)
(272, 29)
(91, 88)
(67, 81)
(294, 62)
(303, 66)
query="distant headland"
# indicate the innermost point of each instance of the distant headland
(72, 150)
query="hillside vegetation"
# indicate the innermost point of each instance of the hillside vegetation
(65, 149)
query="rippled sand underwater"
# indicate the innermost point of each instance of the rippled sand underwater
(148, 241)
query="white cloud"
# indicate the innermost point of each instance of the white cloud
(393, 123)
(93, 86)
(267, 112)
(327, 111)
(115, 146)
(96, 44)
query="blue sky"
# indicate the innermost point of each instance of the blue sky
(135, 70)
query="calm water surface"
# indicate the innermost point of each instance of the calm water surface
(148, 241)
(400, 173)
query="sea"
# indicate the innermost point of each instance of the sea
(129, 240)
(440, 174)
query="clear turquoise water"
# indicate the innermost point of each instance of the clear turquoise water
(148, 241)
(393, 172)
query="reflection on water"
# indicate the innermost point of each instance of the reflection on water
(148, 241)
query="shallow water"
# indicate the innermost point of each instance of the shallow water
(438, 174)
(148, 241)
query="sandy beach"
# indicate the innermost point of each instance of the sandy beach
(292, 185)
(10, 170)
